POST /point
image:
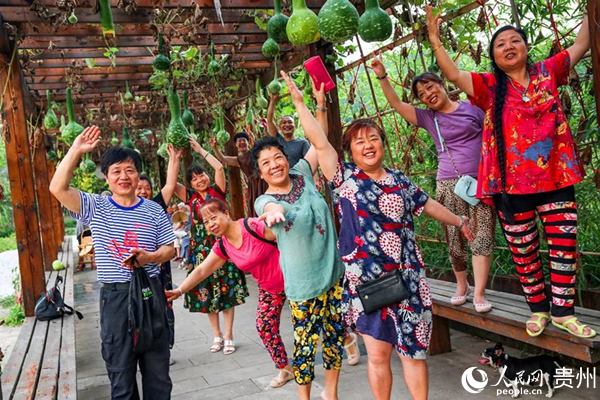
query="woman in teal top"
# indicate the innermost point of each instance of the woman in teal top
(312, 270)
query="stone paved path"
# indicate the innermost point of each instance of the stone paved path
(245, 375)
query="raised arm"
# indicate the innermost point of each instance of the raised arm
(210, 264)
(271, 127)
(327, 157)
(172, 173)
(230, 161)
(405, 110)
(59, 185)
(321, 113)
(582, 43)
(462, 79)
(213, 162)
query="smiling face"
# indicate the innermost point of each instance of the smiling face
(366, 149)
(215, 221)
(273, 166)
(509, 51)
(287, 126)
(143, 189)
(123, 178)
(432, 94)
(200, 182)
(242, 144)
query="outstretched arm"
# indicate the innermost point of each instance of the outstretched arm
(230, 161)
(462, 79)
(327, 157)
(172, 173)
(59, 185)
(404, 109)
(582, 43)
(213, 162)
(210, 264)
(440, 213)
(271, 127)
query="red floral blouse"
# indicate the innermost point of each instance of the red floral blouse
(540, 151)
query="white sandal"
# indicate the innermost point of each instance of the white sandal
(229, 347)
(354, 355)
(284, 376)
(217, 344)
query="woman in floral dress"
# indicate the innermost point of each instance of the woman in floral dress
(226, 287)
(376, 206)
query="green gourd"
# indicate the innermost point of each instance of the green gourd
(338, 21)
(50, 119)
(87, 166)
(127, 142)
(162, 151)
(72, 129)
(303, 26)
(114, 141)
(250, 112)
(106, 18)
(222, 134)
(62, 126)
(187, 117)
(214, 66)
(177, 134)
(374, 24)
(274, 87)
(277, 24)
(261, 101)
(128, 96)
(72, 19)
(161, 61)
(270, 48)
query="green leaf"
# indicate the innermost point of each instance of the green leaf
(90, 62)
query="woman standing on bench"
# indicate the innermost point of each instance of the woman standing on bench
(528, 163)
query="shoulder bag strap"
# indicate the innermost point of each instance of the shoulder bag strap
(256, 235)
(444, 146)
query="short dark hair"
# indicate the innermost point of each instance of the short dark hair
(118, 154)
(425, 77)
(215, 204)
(144, 177)
(194, 169)
(265, 143)
(241, 135)
(356, 126)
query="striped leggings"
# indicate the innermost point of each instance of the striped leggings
(557, 212)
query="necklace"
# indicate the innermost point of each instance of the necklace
(523, 93)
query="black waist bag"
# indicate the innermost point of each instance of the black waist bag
(146, 311)
(383, 291)
(51, 304)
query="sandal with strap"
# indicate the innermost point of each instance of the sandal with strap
(217, 344)
(284, 376)
(579, 327)
(229, 347)
(541, 322)
(352, 350)
(460, 300)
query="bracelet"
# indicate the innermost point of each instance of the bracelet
(180, 292)
(381, 77)
(462, 221)
(437, 48)
(322, 109)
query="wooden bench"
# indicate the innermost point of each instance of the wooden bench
(507, 319)
(42, 363)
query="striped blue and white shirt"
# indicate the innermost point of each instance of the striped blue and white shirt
(117, 229)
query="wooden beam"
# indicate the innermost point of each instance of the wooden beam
(235, 178)
(593, 12)
(20, 171)
(57, 218)
(204, 4)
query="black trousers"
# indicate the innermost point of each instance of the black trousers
(117, 349)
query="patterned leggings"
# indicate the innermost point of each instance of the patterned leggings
(268, 318)
(558, 213)
(321, 314)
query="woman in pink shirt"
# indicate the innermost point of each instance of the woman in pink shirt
(249, 245)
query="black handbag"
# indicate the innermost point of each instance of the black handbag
(51, 304)
(147, 312)
(386, 290)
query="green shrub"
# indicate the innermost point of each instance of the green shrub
(8, 243)
(7, 301)
(15, 316)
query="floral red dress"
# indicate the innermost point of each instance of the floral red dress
(540, 150)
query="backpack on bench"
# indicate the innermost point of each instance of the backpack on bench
(51, 304)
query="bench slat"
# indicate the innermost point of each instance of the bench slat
(67, 383)
(12, 370)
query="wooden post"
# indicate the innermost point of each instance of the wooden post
(440, 336)
(42, 191)
(235, 178)
(58, 223)
(593, 12)
(20, 171)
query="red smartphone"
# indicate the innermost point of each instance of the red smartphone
(318, 73)
(129, 261)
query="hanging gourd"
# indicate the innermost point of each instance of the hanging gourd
(274, 87)
(162, 151)
(127, 142)
(177, 134)
(128, 96)
(86, 165)
(222, 134)
(72, 129)
(62, 126)
(338, 21)
(214, 66)
(114, 141)
(106, 18)
(50, 119)
(303, 26)
(270, 48)
(374, 25)
(161, 61)
(187, 117)
(277, 24)
(72, 19)
(261, 101)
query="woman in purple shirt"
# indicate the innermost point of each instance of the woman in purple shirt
(455, 127)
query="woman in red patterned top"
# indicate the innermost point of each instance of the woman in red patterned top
(528, 163)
